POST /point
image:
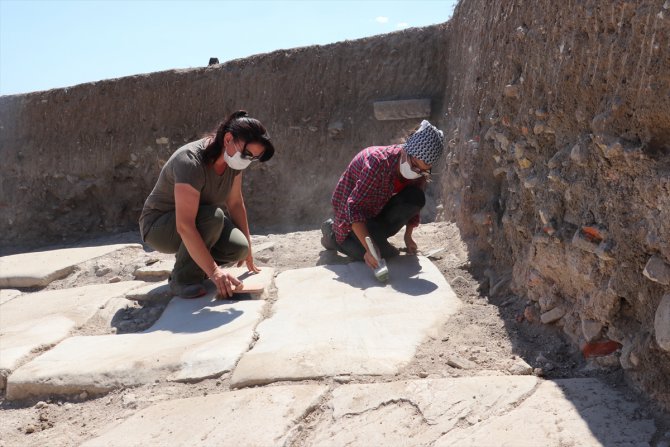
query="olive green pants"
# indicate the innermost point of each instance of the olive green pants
(225, 241)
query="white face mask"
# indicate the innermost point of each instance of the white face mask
(406, 170)
(236, 161)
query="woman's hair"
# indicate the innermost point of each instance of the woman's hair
(243, 127)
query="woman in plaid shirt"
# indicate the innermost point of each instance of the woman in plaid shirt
(381, 191)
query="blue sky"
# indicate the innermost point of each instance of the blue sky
(50, 43)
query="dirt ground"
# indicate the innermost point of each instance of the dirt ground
(489, 335)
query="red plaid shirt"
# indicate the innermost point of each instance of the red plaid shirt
(366, 185)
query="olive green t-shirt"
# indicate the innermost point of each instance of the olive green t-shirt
(186, 166)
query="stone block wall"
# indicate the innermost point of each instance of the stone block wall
(80, 161)
(559, 170)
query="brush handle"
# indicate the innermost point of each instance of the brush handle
(372, 248)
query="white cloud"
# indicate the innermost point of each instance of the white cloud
(402, 25)
(382, 19)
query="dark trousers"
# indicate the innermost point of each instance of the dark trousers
(225, 241)
(395, 215)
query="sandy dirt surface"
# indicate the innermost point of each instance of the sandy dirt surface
(489, 335)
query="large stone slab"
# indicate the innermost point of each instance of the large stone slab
(483, 411)
(193, 339)
(38, 269)
(401, 109)
(339, 319)
(8, 294)
(158, 271)
(258, 417)
(34, 321)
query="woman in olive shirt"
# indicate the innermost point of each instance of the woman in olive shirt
(184, 214)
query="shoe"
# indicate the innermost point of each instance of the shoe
(187, 291)
(327, 235)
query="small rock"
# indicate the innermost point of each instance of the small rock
(511, 91)
(459, 362)
(541, 114)
(531, 314)
(520, 368)
(591, 329)
(41, 404)
(662, 323)
(600, 349)
(83, 395)
(552, 316)
(435, 253)
(423, 374)
(102, 271)
(657, 270)
(342, 379)
(114, 279)
(579, 154)
(129, 401)
(539, 372)
(607, 361)
(335, 129)
(459, 281)
(29, 429)
(585, 242)
(525, 163)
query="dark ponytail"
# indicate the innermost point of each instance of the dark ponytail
(242, 127)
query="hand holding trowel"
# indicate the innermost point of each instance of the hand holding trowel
(381, 272)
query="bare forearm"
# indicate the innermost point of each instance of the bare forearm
(197, 249)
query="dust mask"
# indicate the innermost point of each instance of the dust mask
(236, 161)
(406, 171)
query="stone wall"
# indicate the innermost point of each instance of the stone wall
(559, 171)
(80, 161)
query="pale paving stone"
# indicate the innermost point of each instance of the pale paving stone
(41, 319)
(579, 412)
(338, 319)
(8, 294)
(38, 269)
(193, 339)
(157, 271)
(259, 417)
(482, 411)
